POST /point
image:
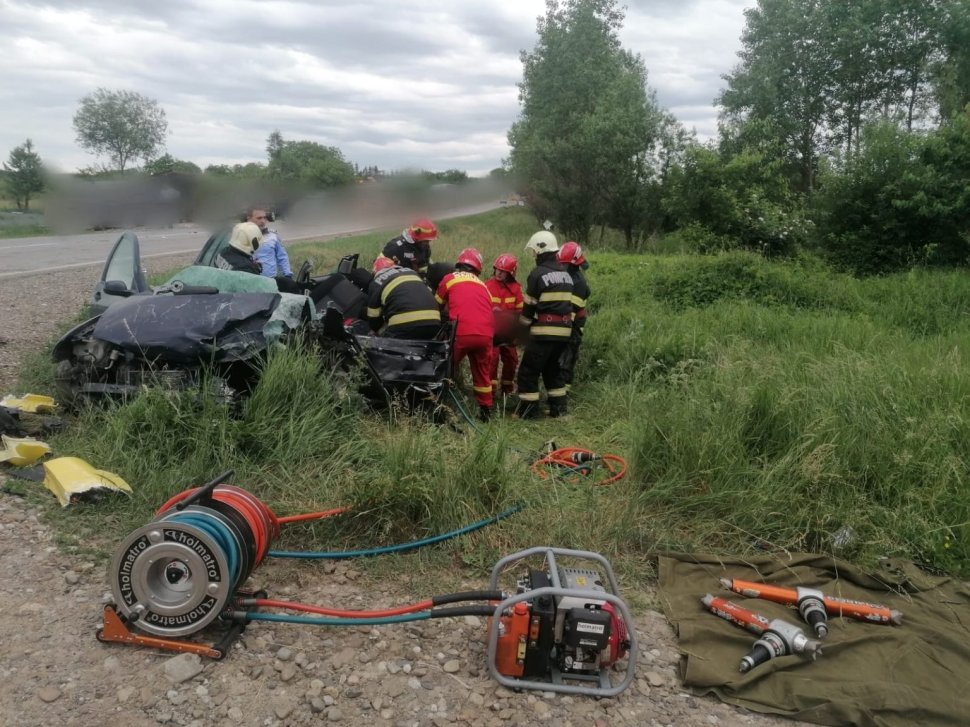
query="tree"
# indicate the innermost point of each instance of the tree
(782, 81)
(166, 164)
(307, 162)
(124, 125)
(586, 117)
(952, 73)
(903, 200)
(814, 72)
(24, 174)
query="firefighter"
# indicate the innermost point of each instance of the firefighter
(469, 304)
(238, 256)
(548, 312)
(401, 300)
(571, 256)
(507, 307)
(412, 248)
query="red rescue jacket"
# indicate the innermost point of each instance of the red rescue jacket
(506, 306)
(469, 304)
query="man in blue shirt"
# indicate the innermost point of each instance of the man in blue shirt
(270, 254)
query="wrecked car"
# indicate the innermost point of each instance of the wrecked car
(207, 325)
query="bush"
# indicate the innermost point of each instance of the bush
(901, 201)
(745, 276)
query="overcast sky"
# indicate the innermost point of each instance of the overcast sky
(427, 84)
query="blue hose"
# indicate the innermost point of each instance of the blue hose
(223, 537)
(326, 621)
(400, 548)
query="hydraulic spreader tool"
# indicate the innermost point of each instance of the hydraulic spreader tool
(814, 606)
(776, 637)
(560, 627)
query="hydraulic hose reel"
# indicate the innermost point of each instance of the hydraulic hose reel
(564, 623)
(177, 574)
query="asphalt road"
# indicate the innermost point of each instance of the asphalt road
(33, 255)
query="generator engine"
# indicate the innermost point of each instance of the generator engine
(562, 623)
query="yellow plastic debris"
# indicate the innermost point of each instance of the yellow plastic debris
(31, 403)
(69, 477)
(22, 451)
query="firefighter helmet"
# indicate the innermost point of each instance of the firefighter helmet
(423, 230)
(245, 237)
(472, 258)
(506, 263)
(571, 254)
(542, 242)
(382, 263)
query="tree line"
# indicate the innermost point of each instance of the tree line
(844, 128)
(126, 127)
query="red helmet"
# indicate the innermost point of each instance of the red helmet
(423, 230)
(571, 254)
(382, 263)
(506, 263)
(472, 258)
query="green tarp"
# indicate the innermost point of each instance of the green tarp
(914, 674)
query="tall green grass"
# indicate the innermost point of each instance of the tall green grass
(759, 404)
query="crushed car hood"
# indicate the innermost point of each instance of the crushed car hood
(190, 328)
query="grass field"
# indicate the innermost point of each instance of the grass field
(760, 405)
(16, 223)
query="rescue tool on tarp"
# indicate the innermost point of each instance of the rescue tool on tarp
(776, 637)
(814, 606)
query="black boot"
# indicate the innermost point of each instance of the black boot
(484, 413)
(557, 407)
(527, 410)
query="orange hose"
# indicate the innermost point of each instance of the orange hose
(311, 515)
(292, 606)
(614, 465)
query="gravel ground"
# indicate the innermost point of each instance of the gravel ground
(53, 671)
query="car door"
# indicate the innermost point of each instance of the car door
(122, 276)
(216, 243)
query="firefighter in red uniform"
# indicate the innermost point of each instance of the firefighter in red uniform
(469, 304)
(401, 300)
(571, 255)
(548, 312)
(507, 307)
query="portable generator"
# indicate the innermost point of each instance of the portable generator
(563, 623)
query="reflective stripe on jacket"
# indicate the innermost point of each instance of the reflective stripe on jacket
(580, 294)
(469, 304)
(399, 297)
(548, 300)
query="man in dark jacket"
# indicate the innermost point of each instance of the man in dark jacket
(548, 313)
(412, 248)
(400, 301)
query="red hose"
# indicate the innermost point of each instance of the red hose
(306, 607)
(264, 525)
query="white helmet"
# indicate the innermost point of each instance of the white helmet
(542, 241)
(245, 237)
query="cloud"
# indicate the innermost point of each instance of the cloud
(396, 83)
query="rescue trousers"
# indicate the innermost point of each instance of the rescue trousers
(508, 354)
(570, 355)
(541, 359)
(478, 349)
